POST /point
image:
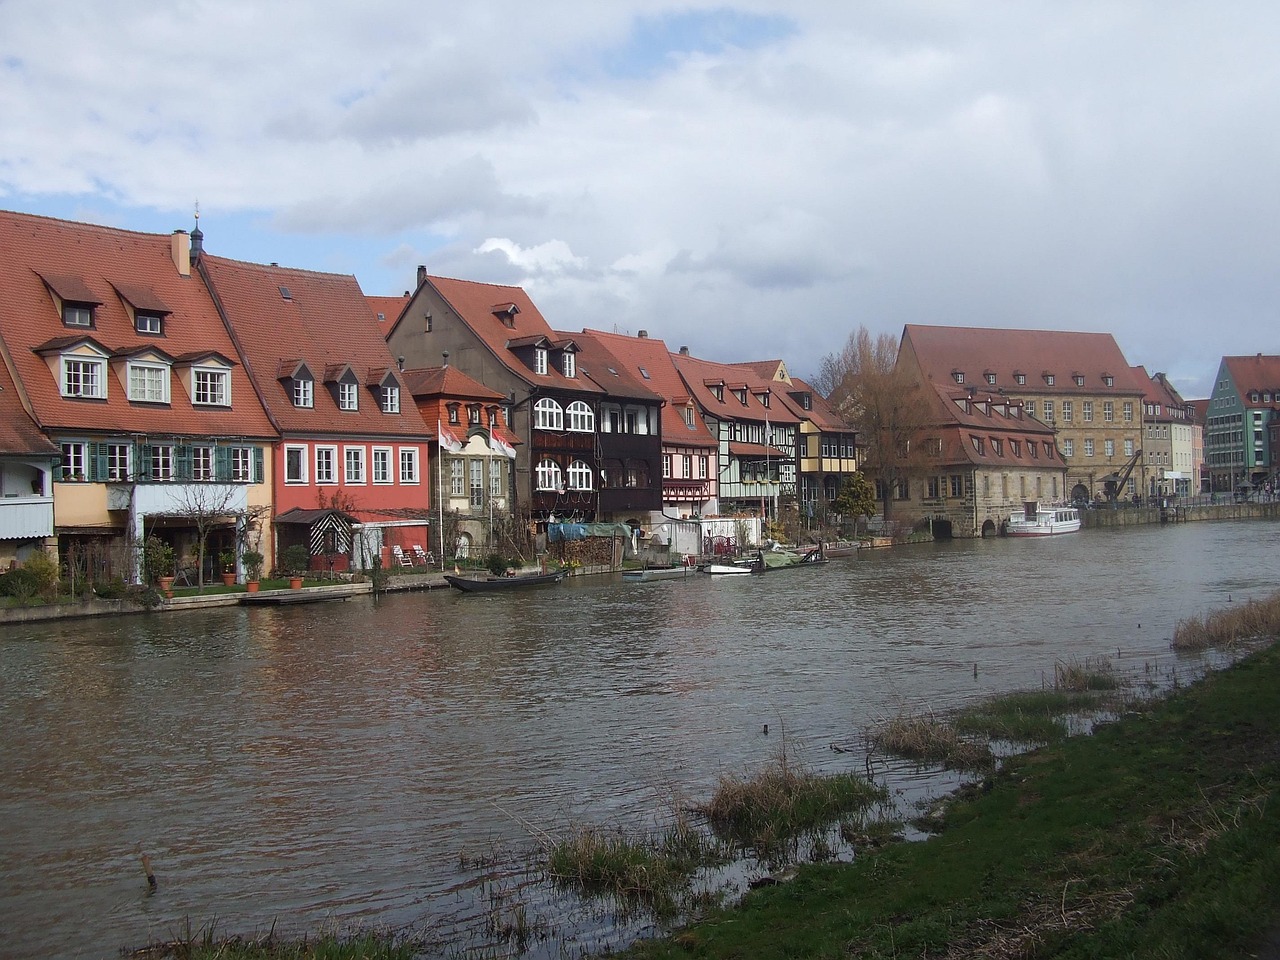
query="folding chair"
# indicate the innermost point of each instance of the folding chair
(400, 556)
(420, 556)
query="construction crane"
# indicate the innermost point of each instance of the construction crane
(1114, 483)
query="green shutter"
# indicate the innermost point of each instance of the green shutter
(182, 463)
(257, 465)
(96, 462)
(144, 461)
(222, 464)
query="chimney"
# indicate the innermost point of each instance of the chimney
(643, 334)
(684, 351)
(180, 249)
(422, 274)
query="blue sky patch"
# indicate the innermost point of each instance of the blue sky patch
(655, 41)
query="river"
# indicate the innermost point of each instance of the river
(350, 762)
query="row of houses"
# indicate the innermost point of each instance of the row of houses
(149, 388)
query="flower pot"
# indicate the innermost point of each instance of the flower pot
(295, 583)
(228, 579)
(166, 585)
(251, 586)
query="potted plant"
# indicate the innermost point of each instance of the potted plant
(157, 560)
(294, 561)
(252, 561)
(228, 560)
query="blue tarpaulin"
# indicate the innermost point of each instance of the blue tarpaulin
(580, 531)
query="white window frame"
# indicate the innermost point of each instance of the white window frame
(348, 396)
(304, 393)
(203, 469)
(457, 477)
(77, 315)
(326, 465)
(148, 381)
(495, 478)
(540, 360)
(580, 476)
(548, 475)
(580, 418)
(148, 323)
(569, 364)
(548, 415)
(75, 459)
(241, 461)
(408, 465)
(90, 371)
(354, 465)
(391, 399)
(119, 458)
(210, 387)
(161, 462)
(475, 482)
(380, 466)
(303, 462)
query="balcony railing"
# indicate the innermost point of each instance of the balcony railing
(26, 518)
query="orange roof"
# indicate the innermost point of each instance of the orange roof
(18, 432)
(597, 360)
(113, 269)
(387, 309)
(502, 317)
(284, 317)
(1256, 373)
(994, 359)
(448, 382)
(989, 417)
(649, 358)
(700, 375)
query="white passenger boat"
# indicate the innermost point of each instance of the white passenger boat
(1043, 520)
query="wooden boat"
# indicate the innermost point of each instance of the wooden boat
(734, 568)
(832, 549)
(658, 573)
(1041, 520)
(490, 584)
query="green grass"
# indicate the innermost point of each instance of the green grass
(1155, 837)
(1033, 717)
(206, 945)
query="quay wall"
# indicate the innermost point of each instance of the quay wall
(1134, 516)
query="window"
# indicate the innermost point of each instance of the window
(1033, 450)
(353, 461)
(1109, 448)
(568, 364)
(295, 464)
(161, 457)
(326, 464)
(408, 465)
(83, 378)
(242, 465)
(453, 413)
(548, 475)
(77, 315)
(686, 463)
(957, 486)
(1108, 411)
(148, 383)
(1128, 411)
(580, 418)
(1015, 447)
(1050, 379)
(1031, 408)
(579, 476)
(147, 322)
(1068, 410)
(304, 393)
(495, 478)
(1086, 411)
(540, 360)
(1048, 411)
(348, 398)
(666, 466)
(703, 464)
(1088, 447)
(391, 399)
(73, 461)
(1020, 378)
(547, 415)
(212, 387)
(1079, 379)
(958, 376)
(931, 488)
(1128, 447)
(979, 446)
(477, 483)
(1068, 447)
(380, 464)
(457, 478)
(118, 456)
(1109, 381)
(202, 464)
(991, 379)
(997, 446)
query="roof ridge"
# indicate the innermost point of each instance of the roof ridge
(86, 225)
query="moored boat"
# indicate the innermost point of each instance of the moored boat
(489, 584)
(1043, 520)
(658, 573)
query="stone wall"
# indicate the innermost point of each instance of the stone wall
(1133, 516)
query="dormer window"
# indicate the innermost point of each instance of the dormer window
(84, 376)
(391, 398)
(718, 392)
(991, 378)
(957, 376)
(304, 392)
(148, 382)
(540, 360)
(688, 416)
(473, 414)
(1049, 379)
(149, 323)
(568, 364)
(77, 315)
(1079, 379)
(453, 413)
(1020, 379)
(348, 396)
(764, 399)
(1109, 381)
(741, 394)
(211, 387)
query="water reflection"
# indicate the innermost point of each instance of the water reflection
(306, 763)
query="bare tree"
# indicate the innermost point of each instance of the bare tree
(205, 506)
(887, 405)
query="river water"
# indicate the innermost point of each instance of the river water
(351, 762)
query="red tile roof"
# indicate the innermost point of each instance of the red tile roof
(18, 432)
(434, 388)
(649, 355)
(700, 375)
(978, 351)
(488, 308)
(102, 264)
(961, 417)
(324, 322)
(1259, 372)
(620, 380)
(387, 309)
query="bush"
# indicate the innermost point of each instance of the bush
(496, 564)
(113, 589)
(21, 584)
(294, 560)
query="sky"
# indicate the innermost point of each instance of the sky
(753, 180)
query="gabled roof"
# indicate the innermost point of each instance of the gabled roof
(386, 310)
(93, 264)
(960, 417)
(325, 325)
(448, 383)
(741, 394)
(19, 434)
(1257, 373)
(504, 319)
(649, 360)
(942, 352)
(822, 413)
(619, 380)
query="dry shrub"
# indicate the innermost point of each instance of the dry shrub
(930, 740)
(1079, 677)
(1229, 626)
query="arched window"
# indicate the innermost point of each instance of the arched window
(548, 475)
(579, 476)
(547, 415)
(580, 417)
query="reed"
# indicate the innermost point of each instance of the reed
(784, 801)
(206, 944)
(929, 740)
(1230, 626)
(1026, 717)
(1081, 676)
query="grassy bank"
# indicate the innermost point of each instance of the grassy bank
(1155, 837)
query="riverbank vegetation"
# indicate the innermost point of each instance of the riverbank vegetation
(1154, 837)
(1228, 627)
